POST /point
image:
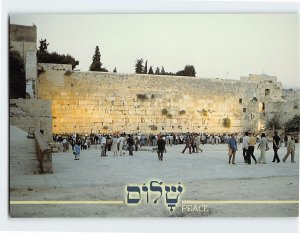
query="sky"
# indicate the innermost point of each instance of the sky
(217, 45)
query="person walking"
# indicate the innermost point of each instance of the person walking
(161, 146)
(290, 150)
(276, 141)
(198, 142)
(130, 143)
(232, 147)
(187, 145)
(245, 146)
(251, 147)
(263, 146)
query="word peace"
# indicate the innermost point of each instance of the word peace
(170, 192)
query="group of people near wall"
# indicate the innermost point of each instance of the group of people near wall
(119, 143)
(249, 141)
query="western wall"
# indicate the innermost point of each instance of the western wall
(87, 102)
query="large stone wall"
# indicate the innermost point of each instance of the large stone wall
(25, 113)
(108, 102)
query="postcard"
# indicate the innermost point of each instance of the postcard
(153, 115)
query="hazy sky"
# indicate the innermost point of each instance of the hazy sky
(218, 45)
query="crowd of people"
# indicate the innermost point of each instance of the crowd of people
(119, 143)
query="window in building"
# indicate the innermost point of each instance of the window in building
(263, 106)
(267, 92)
(240, 101)
(244, 109)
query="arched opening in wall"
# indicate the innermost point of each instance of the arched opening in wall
(240, 100)
(28, 96)
(267, 92)
(244, 109)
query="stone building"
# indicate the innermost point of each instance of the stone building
(23, 39)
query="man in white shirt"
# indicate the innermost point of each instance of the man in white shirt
(245, 146)
(121, 144)
(103, 146)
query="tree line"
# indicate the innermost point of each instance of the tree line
(43, 56)
(140, 68)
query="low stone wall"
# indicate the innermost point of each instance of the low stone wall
(43, 152)
(25, 113)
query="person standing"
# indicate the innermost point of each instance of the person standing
(290, 150)
(130, 144)
(77, 150)
(161, 146)
(115, 145)
(121, 144)
(276, 141)
(103, 145)
(263, 145)
(232, 147)
(251, 146)
(245, 147)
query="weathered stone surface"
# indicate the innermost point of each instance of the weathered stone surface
(93, 100)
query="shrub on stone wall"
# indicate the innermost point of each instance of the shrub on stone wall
(226, 122)
(169, 115)
(204, 112)
(182, 112)
(68, 72)
(164, 111)
(293, 125)
(274, 123)
(141, 97)
(153, 127)
(105, 127)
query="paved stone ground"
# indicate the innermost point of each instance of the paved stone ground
(205, 176)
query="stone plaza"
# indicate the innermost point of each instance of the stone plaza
(228, 190)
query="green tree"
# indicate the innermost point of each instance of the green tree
(97, 64)
(146, 68)
(115, 70)
(162, 71)
(139, 67)
(274, 123)
(188, 70)
(293, 125)
(157, 71)
(43, 56)
(150, 70)
(17, 79)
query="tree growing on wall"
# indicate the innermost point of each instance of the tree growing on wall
(17, 79)
(293, 125)
(226, 122)
(139, 67)
(97, 64)
(274, 123)
(188, 70)
(43, 56)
